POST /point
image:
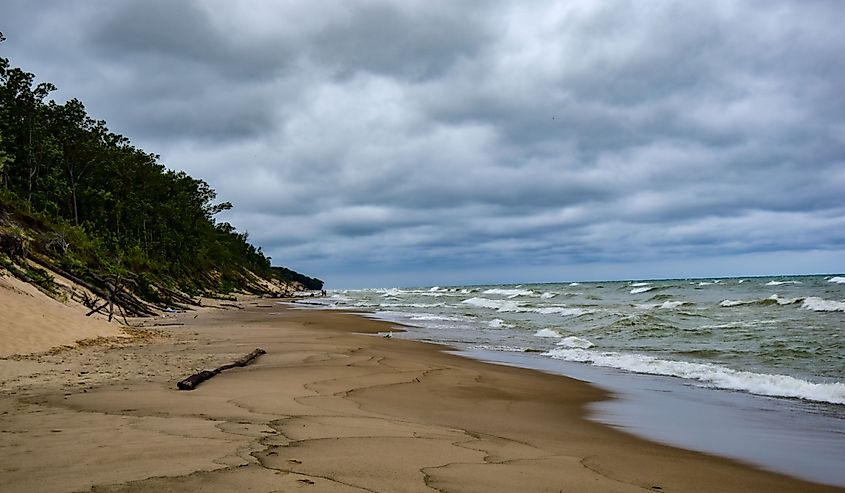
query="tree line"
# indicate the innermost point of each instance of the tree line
(111, 206)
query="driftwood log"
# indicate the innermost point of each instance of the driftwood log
(194, 380)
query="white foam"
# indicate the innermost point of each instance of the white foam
(507, 349)
(393, 292)
(547, 295)
(510, 293)
(519, 307)
(430, 317)
(780, 283)
(548, 333)
(639, 284)
(785, 301)
(822, 305)
(777, 299)
(500, 305)
(837, 280)
(411, 305)
(575, 342)
(729, 303)
(574, 284)
(642, 289)
(666, 305)
(497, 323)
(710, 375)
(561, 310)
(435, 289)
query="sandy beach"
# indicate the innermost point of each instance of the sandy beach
(330, 407)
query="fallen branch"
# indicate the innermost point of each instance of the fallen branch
(194, 380)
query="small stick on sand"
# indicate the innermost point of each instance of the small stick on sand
(191, 382)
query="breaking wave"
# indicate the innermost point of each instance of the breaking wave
(822, 305)
(709, 374)
(510, 293)
(771, 300)
(520, 307)
(641, 289)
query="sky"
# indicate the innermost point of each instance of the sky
(384, 143)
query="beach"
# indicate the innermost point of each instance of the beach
(332, 406)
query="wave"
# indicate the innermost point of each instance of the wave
(510, 293)
(666, 305)
(547, 295)
(822, 305)
(498, 323)
(575, 342)
(567, 342)
(771, 300)
(837, 280)
(639, 284)
(642, 289)
(519, 307)
(709, 374)
(430, 317)
(780, 283)
(503, 348)
(561, 310)
(408, 305)
(499, 305)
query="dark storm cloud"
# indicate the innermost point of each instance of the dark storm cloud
(476, 140)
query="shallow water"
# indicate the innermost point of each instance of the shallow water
(767, 336)
(750, 368)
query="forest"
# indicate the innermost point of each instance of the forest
(98, 207)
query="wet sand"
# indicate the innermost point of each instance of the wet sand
(328, 408)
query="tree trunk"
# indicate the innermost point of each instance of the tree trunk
(194, 380)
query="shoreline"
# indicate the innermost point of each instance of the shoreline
(330, 408)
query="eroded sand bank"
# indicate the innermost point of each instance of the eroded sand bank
(326, 409)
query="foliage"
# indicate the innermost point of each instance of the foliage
(102, 205)
(289, 275)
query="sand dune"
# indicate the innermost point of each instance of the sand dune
(31, 321)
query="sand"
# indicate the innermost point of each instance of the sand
(31, 321)
(330, 407)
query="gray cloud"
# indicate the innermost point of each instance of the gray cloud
(397, 142)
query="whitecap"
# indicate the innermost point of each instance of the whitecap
(780, 283)
(500, 305)
(507, 349)
(548, 333)
(497, 323)
(666, 305)
(729, 303)
(510, 293)
(822, 305)
(837, 280)
(710, 375)
(639, 284)
(430, 317)
(642, 289)
(560, 310)
(547, 295)
(573, 284)
(785, 301)
(575, 342)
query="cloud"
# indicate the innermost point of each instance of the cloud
(396, 141)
